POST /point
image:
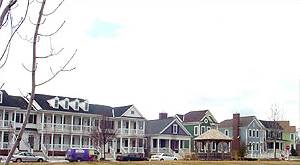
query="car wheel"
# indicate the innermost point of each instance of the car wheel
(40, 160)
(175, 159)
(161, 160)
(19, 160)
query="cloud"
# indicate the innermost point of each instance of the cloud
(103, 29)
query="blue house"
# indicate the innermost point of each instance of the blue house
(167, 135)
(250, 132)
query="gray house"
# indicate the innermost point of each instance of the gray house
(167, 135)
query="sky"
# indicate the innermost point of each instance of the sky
(171, 56)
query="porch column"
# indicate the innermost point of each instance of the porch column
(207, 148)
(121, 144)
(72, 122)
(222, 148)
(157, 144)
(42, 141)
(128, 147)
(43, 116)
(179, 146)
(52, 140)
(169, 145)
(71, 141)
(190, 145)
(151, 144)
(90, 129)
(121, 127)
(62, 121)
(53, 122)
(2, 139)
(62, 142)
(136, 145)
(80, 141)
(89, 141)
(81, 124)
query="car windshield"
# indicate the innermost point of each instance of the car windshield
(125, 154)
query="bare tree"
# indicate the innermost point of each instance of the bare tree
(103, 133)
(36, 37)
(276, 114)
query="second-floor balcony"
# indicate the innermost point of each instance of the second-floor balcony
(126, 131)
(49, 127)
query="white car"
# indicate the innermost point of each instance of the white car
(27, 157)
(162, 157)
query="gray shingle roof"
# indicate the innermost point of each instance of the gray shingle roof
(13, 101)
(119, 111)
(156, 126)
(271, 124)
(244, 122)
(194, 116)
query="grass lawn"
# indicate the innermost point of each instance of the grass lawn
(175, 163)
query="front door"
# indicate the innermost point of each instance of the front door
(174, 145)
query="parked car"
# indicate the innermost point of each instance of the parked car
(162, 157)
(131, 157)
(81, 154)
(27, 157)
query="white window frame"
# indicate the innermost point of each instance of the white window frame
(226, 132)
(208, 128)
(250, 133)
(196, 130)
(257, 146)
(1, 96)
(66, 104)
(257, 133)
(203, 130)
(56, 106)
(253, 133)
(291, 136)
(175, 130)
(76, 108)
(250, 145)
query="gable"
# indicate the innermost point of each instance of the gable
(132, 112)
(169, 130)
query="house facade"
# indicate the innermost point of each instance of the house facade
(57, 123)
(199, 122)
(246, 130)
(167, 135)
(288, 134)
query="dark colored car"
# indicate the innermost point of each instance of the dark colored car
(131, 157)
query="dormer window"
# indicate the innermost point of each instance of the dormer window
(55, 103)
(175, 128)
(76, 105)
(66, 104)
(86, 106)
(1, 96)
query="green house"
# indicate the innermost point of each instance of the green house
(198, 122)
(288, 134)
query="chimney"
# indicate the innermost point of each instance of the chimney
(163, 115)
(236, 132)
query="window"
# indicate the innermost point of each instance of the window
(208, 128)
(6, 116)
(76, 105)
(5, 138)
(141, 125)
(214, 146)
(140, 142)
(119, 124)
(19, 117)
(257, 146)
(1, 96)
(86, 106)
(292, 136)
(196, 130)
(250, 132)
(250, 146)
(227, 132)
(257, 133)
(96, 123)
(134, 125)
(132, 112)
(32, 119)
(55, 103)
(202, 129)
(66, 104)
(205, 121)
(253, 135)
(175, 128)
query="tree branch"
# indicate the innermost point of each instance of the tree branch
(6, 10)
(47, 35)
(61, 70)
(54, 9)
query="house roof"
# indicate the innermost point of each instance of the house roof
(213, 134)
(286, 126)
(119, 111)
(244, 122)
(271, 124)
(101, 110)
(13, 101)
(194, 116)
(156, 126)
